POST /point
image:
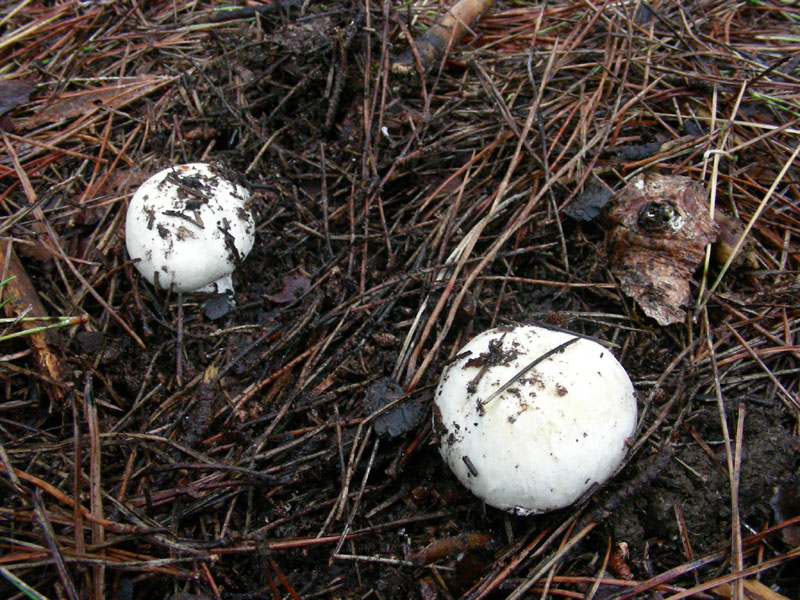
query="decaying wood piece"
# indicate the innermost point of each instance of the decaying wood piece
(660, 226)
(440, 37)
(23, 295)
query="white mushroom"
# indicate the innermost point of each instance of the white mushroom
(528, 436)
(189, 227)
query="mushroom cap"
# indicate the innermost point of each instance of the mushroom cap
(558, 430)
(190, 226)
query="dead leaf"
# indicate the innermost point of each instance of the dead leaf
(589, 203)
(24, 300)
(660, 227)
(14, 92)
(122, 180)
(730, 230)
(442, 548)
(70, 105)
(294, 286)
(399, 419)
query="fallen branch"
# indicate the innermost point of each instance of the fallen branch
(436, 42)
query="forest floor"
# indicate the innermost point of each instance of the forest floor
(158, 446)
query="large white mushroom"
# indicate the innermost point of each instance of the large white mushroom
(530, 419)
(189, 227)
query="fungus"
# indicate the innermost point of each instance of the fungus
(531, 419)
(188, 227)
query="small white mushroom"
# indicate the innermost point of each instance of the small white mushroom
(528, 436)
(189, 227)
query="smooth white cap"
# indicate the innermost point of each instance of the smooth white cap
(190, 226)
(547, 439)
